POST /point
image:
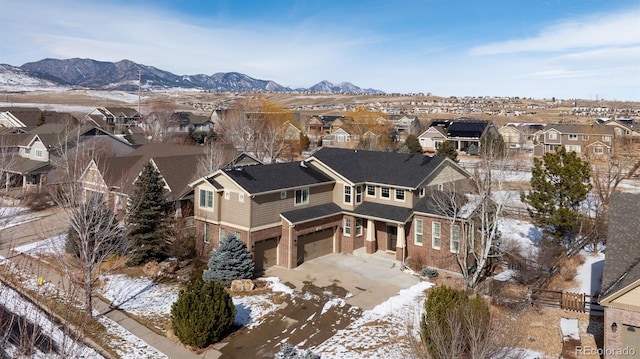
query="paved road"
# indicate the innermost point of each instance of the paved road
(54, 222)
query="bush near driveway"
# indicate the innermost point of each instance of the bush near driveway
(203, 314)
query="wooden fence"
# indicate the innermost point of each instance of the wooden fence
(577, 302)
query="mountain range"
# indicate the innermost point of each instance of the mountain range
(127, 75)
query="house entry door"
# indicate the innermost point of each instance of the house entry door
(392, 237)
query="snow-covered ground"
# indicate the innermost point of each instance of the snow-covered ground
(589, 274)
(521, 232)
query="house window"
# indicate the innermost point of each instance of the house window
(358, 194)
(435, 235)
(283, 195)
(206, 199)
(221, 234)
(585, 137)
(347, 194)
(241, 197)
(347, 227)
(606, 138)
(418, 231)
(358, 227)
(422, 192)
(384, 192)
(302, 196)
(454, 244)
(573, 137)
(572, 148)
(598, 150)
(553, 136)
(38, 153)
(27, 151)
(437, 144)
(206, 233)
(371, 190)
(227, 194)
(399, 194)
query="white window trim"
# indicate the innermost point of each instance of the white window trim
(374, 191)
(418, 231)
(295, 197)
(422, 192)
(359, 227)
(39, 153)
(451, 248)
(227, 195)
(553, 136)
(206, 233)
(573, 137)
(346, 229)
(395, 195)
(585, 137)
(359, 195)
(283, 195)
(433, 235)
(346, 188)
(222, 233)
(206, 194)
(388, 191)
(241, 197)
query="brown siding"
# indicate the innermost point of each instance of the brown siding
(234, 211)
(266, 209)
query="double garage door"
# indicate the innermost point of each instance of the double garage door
(314, 245)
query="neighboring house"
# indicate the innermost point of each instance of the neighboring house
(116, 119)
(431, 139)
(28, 118)
(466, 133)
(587, 140)
(177, 164)
(339, 138)
(38, 153)
(319, 126)
(512, 136)
(337, 201)
(620, 294)
(404, 125)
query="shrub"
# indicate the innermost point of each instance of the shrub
(230, 261)
(37, 201)
(454, 325)
(203, 314)
(183, 247)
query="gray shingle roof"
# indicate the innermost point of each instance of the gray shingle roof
(277, 176)
(310, 213)
(397, 169)
(383, 211)
(622, 263)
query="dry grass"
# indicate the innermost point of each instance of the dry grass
(563, 280)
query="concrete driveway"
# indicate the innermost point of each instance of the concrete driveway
(371, 279)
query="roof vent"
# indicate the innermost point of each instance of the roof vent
(303, 164)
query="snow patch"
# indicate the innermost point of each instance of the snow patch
(569, 328)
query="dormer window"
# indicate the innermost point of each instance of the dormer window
(347, 194)
(399, 194)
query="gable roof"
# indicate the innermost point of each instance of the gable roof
(622, 263)
(398, 169)
(571, 128)
(275, 177)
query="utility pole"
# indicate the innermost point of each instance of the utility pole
(139, 91)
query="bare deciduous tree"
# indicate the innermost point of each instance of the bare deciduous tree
(159, 124)
(213, 158)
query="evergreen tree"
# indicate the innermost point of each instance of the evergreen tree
(412, 144)
(230, 261)
(560, 181)
(147, 218)
(288, 351)
(448, 149)
(203, 314)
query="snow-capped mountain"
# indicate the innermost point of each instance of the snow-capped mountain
(125, 75)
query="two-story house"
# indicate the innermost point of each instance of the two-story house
(591, 139)
(337, 201)
(115, 119)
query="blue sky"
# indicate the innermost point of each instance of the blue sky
(542, 49)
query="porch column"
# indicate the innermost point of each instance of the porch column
(371, 230)
(402, 243)
(370, 243)
(24, 181)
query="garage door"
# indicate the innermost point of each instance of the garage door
(266, 253)
(314, 245)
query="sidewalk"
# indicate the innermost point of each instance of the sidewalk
(55, 223)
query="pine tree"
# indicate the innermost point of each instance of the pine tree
(147, 218)
(560, 182)
(413, 144)
(230, 261)
(203, 314)
(447, 149)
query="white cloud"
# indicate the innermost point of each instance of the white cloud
(618, 29)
